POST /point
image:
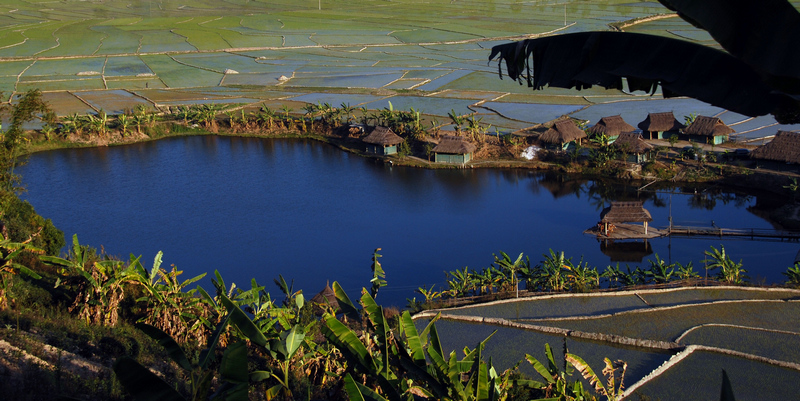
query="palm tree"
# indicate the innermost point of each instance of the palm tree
(759, 58)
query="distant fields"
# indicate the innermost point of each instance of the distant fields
(423, 48)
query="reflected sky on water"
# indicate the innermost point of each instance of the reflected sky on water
(256, 208)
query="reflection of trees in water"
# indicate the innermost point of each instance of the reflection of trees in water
(560, 185)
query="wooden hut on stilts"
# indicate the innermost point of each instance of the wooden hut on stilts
(624, 212)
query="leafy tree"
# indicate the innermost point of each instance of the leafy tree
(759, 41)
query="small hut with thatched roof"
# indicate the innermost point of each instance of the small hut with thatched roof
(382, 141)
(708, 130)
(661, 125)
(624, 212)
(632, 144)
(325, 297)
(453, 149)
(562, 134)
(611, 127)
(784, 148)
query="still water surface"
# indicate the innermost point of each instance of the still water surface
(256, 208)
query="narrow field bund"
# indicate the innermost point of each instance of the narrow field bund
(696, 297)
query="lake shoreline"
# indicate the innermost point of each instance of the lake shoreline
(732, 176)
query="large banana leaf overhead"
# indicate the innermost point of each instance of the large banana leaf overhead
(759, 73)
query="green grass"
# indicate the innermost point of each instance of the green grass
(177, 75)
(65, 67)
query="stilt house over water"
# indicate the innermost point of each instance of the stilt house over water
(660, 125)
(453, 149)
(784, 148)
(624, 212)
(632, 144)
(612, 127)
(562, 134)
(708, 130)
(382, 141)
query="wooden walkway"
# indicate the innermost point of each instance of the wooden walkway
(628, 231)
(636, 231)
(752, 233)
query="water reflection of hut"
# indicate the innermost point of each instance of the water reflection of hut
(562, 134)
(611, 126)
(382, 141)
(660, 125)
(626, 251)
(624, 212)
(709, 130)
(784, 148)
(325, 297)
(634, 146)
(453, 149)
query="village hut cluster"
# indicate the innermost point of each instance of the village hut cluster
(565, 134)
(453, 149)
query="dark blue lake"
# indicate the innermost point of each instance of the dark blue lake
(256, 208)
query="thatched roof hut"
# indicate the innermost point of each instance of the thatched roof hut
(785, 147)
(708, 126)
(632, 142)
(611, 126)
(624, 212)
(454, 145)
(382, 136)
(661, 122)
(325, 297)
(453, 149)
(562, 132)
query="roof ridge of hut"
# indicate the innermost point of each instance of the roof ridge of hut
(633, 141)
(562, 131)
(382, 136)
(784, 147)
(611, 126)
(662, 121)
(708, 126)
(454, 144)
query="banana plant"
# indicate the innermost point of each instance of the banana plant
(378, 275)
(10, 251)
(612, 389)
(179, 313)
(282, 348)
(144, 385)
(556, 385)
(504, 262)
(99, 286)
(660, 272)
(397, 363)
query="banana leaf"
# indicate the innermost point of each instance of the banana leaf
(174, 350)
(141, 383)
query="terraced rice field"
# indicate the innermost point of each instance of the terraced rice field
(683, 335)
(432, 49)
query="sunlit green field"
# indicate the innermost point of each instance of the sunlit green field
(391, 49)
